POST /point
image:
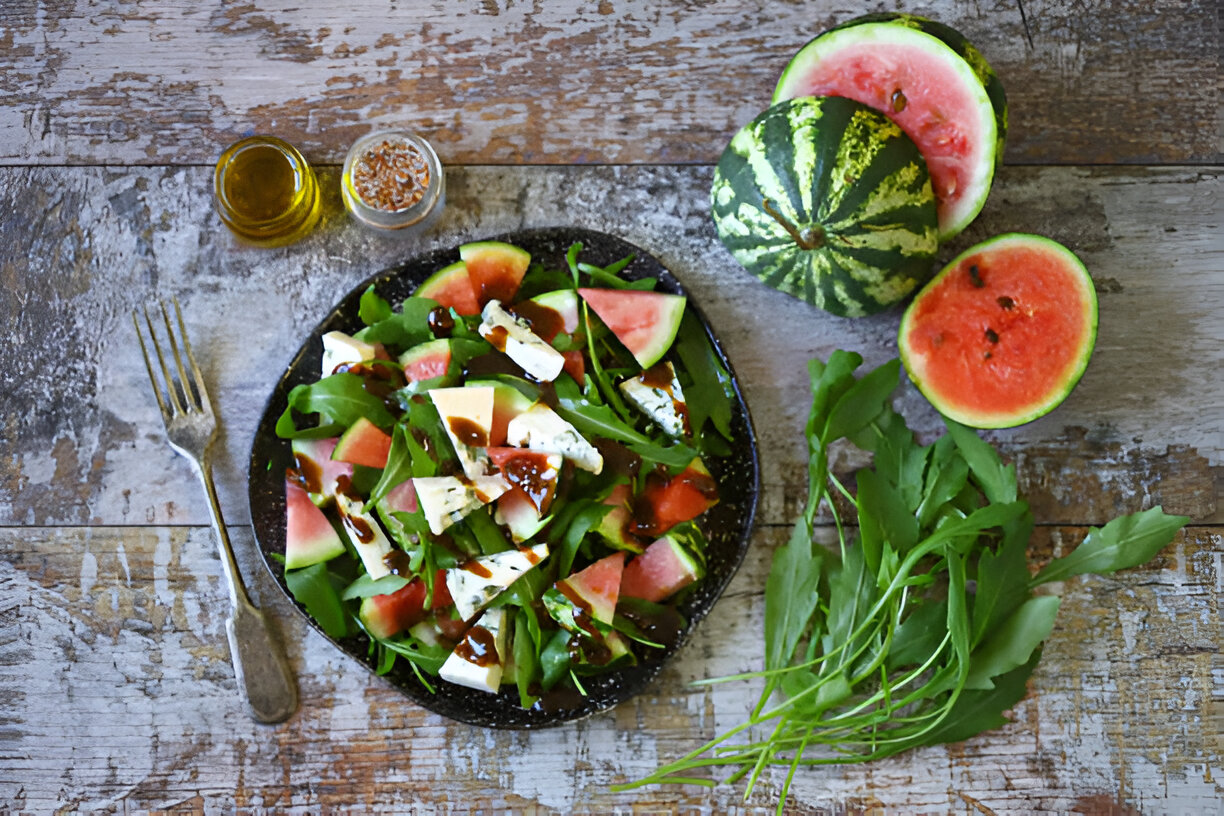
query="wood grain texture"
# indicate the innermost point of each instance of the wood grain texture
(79, 248)
(118, 697)
(613, 81)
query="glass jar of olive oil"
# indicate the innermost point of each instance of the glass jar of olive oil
(265, 191)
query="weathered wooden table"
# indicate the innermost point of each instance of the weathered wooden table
(116, 693)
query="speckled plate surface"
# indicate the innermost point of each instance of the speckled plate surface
(728, 524)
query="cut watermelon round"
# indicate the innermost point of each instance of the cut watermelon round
(309, 536)
(827, 200)
(645, 322)
(495, 269)
(661, 571)
(1003, 333)
(928, 79)
(451, 286)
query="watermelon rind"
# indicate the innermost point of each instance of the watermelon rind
(964, 61)
(1083, 296)
(646, 323)
(829, 201)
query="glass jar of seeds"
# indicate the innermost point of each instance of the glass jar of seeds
(393, 180)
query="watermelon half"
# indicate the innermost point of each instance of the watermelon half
(829, 201)
(931, 81)
(1003, 333)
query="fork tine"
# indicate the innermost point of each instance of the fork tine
(174, 400)
(188, 397)
(161, 403)
(195, 369)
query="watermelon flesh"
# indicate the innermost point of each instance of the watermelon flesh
(364, 443)
(451, 287)
(662, 570)
(495, 269)
(1003, 333)
(320, 473)
(309, 536)
(645, 322)
(929, 90)
(586, 601)
(426, 361)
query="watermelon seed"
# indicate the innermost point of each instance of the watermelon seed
(992, 336)
(975, 276)
(899, 101)
(1006, 302)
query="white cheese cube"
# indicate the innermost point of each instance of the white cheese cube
(467, 417)
(475, 584)
(340, 349)
(514, 336)
(367, 536)
(447, 499)
(479, 659)
(662, 401)
(541, 428)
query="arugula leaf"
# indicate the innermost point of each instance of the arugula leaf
(1122, 543)
(791, 599)
(555, 659)
(997, 482)
(339, 400)
(1013, 642)
(711, 393)
(312, 587)
(406, 328)
(526, 653)
(372, 308)
(399, 463)
(367, 587)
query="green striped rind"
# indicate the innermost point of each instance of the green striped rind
(956, 41)
(829, 166)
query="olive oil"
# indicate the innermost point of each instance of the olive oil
(265, 191)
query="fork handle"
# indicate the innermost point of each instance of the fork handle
(259, 659)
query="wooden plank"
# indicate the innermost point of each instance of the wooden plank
(118, 697)
(82, 442)
(624, 81)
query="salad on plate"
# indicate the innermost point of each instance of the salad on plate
(502, 480)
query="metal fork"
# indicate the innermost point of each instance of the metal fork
(191, 426)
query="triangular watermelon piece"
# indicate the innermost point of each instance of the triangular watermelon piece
(320, 472)
(586, 600)
(660, 572)
(451, 286)
(645, 322)
(495, 269)
(309, 536)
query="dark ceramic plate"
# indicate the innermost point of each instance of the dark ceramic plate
(728, 524)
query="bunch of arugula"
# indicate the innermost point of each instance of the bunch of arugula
(542, 654)
(923, 628)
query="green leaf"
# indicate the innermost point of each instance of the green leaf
(998, 482)
(423, 655)
(884, 520)
(946, 477)
(1002, 577)
(977, 710)
(339, 400)
(862, 402)
(829, 382)
(710, 394)
(399, 463)
(367, 587)
(791, 597)
(372, 307)
(555, 659)
(896, 456)
(1013, 643)
(1122, 543)
(526, 654)
(919, 635)
(406, 328)
(312, 588)
(584, 519)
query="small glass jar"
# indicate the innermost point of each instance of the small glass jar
(265, 191)
(393, 180)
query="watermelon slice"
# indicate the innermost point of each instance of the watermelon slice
(519, 514)
(586, 601)
(645, 322)
(929, 80)
(533, 472)
(401, 498)
(551, 313)
(451, 286)
(664, 503)
(614, 526)
(495, 269)
(427, 361)
(320, 473)
(661, 571)
(387, 615)
(309, 536)
(508, 402)
(1003, 333)
(364, 443)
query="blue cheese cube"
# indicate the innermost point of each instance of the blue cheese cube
(526, 348)
(656, 393)
(467, 418)
(475, 584)
(367, 536)
(480, 658)
(447, 499)
(540, 428)
(340, 349)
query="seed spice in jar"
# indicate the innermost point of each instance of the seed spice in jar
(392, 180)
(391, 175)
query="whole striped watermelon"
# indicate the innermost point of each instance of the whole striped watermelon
(829, 201)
